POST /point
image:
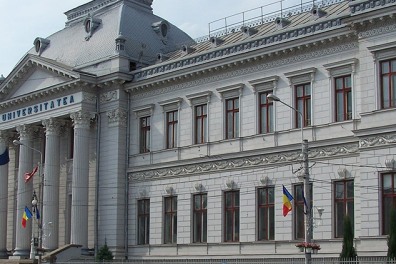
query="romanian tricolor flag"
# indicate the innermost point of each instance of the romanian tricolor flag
(26, 215)
(287, 198)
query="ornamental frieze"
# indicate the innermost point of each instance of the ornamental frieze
(117, 117)
(109, 96)
(377, 141)
(218, 166)
(240, 72)
(382, 29)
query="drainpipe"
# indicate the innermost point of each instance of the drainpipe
(126, 174)
(96, 222)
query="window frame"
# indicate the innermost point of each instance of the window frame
(172, 127)
(227, 93)
(235, 223)
(345, 200)
(337, 70)
(145, 132)
(171, 106)
(346, 102)
(392, 196)
(203, 216)
(172, 239)
(197, 100)
(298, 78)
(145, 228)
(270, 227)
(144, 111)
(234, 118)
(203, 121)
(307, 106)
(390, 89)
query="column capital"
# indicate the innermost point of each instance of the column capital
(82, 119)
(27, 131)
(53, 126)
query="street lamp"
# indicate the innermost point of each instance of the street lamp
(34, 199)
(307, 190)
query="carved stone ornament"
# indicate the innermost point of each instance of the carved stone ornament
(169, 190)
(198, 187)
(378, 141)
(53, 126)
(27, 132)
(117, 117)
(89, 97)
(389, 164)
(264, 180)
(109, 96)
(142, 193)
(243, 162)
(230, 184)
(342, 172)
(6, 137)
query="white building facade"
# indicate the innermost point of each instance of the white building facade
(168, 148)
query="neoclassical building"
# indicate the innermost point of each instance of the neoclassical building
(167, 147)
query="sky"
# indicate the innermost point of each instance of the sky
(24, 20)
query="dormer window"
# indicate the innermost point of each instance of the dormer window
(90, 25)
(40, 44)
(161, 28)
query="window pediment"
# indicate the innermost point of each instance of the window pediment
(301, 76)
(171, 104)
(265, 84)
(199, 98)
(144, 110)
(341, 67)
(234, 90)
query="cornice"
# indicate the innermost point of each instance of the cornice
(269, 61)
(364, 6)
(242, 163)
(242, 47)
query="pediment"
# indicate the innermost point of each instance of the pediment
(34, 74)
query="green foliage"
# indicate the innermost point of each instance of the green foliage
(104, 253)
(392, 235)
(348, 251)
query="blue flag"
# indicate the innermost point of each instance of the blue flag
(305, 202)
(37, 213)
(4, 158)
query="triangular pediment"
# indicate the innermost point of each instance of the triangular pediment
(34, 74)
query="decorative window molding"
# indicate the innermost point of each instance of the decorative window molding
(90, 25)
(265, 84)
(231, 91)
(340, 69)
(171, 104)
(301, 76)
(380, 53)
(161, 28)
(40, 44)
(199, 98)
(144, 110)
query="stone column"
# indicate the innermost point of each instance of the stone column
(80, 181)
(50, 224)
(25, 191)
(4, 139)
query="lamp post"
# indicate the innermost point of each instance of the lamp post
(307, 190)
(34, 199)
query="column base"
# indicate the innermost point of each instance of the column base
(21, 254)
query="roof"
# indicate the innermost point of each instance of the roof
(106, 20)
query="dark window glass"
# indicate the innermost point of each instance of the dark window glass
(388, 199)
(170, 223)
(266, 214)
(232, 118)
(231, 218)
(200, 218)
(343, 98)
(201, 123)
(266, 114)
(143, 222)
(344, 204)
(171, 124)
(145, 126)
(303, 104)
(388, 83)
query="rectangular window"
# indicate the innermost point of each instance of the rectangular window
(143, 221)
(343, 98)
(266, 213)
(388, 83)
(201, 124)
(231, 219)
(303, 104)
(388, 199)
(299, 209)
(344, 204)
(232, 118)
(170, 223)
(266, 114)
(172, 119)
(145, 125)
(200, 218)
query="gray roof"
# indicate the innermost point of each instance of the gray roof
(134, 19)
